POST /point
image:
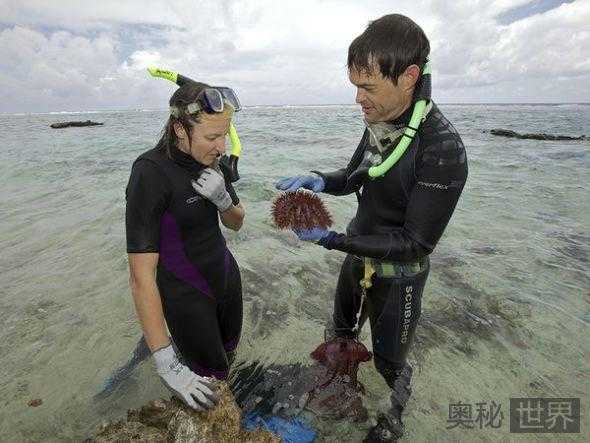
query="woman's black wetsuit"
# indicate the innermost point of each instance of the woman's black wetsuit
(197, 276)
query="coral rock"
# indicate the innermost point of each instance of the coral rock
(172, 421)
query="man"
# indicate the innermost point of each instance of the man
(403, 209)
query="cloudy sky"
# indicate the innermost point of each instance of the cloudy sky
(80, 55)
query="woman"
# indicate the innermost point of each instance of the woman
(181, 273)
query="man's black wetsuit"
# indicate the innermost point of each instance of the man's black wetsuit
(197, 276)
(400, 218)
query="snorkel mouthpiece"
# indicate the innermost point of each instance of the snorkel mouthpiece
(426, 87)
(236, 150)
(418, 114)
(232, 162)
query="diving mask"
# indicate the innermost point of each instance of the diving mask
(211, 100)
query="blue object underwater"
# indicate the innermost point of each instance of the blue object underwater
(291, 431)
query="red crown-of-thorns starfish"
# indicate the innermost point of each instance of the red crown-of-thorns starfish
(339, 396)
(300, 210)
(342, 357)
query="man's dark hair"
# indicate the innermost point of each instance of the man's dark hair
(394, 41)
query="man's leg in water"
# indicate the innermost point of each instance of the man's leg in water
(347, 300)
(394, 306)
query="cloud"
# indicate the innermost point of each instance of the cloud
(71, 55)
(83, 16)
(544, 57)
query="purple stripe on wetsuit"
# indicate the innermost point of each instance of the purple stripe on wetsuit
(232, 344)
(175, 260)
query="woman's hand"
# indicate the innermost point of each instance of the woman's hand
(211, 186)
(194, 390)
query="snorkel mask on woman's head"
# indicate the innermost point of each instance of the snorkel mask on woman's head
(211, 100)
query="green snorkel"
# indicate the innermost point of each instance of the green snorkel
(417, 116)
(172, 76)
(236, 150)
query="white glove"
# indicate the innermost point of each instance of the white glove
(194, 390)
(211, 185)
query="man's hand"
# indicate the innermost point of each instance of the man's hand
(289, 184)
(313, 234)
(194, 390)
(211, 185)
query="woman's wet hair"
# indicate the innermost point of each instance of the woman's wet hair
(182, 97)
(393, 42)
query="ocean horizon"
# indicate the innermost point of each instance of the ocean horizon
(326, 105)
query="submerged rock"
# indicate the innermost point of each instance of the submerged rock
(172, 421)
(75, 124)
(534, 136)
(289, 390)
(35, 402)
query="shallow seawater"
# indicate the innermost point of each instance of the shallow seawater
(506, 310)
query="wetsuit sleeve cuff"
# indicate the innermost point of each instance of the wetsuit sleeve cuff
(234, 197)
(328, 241)
(232, 193)
(333, 181)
